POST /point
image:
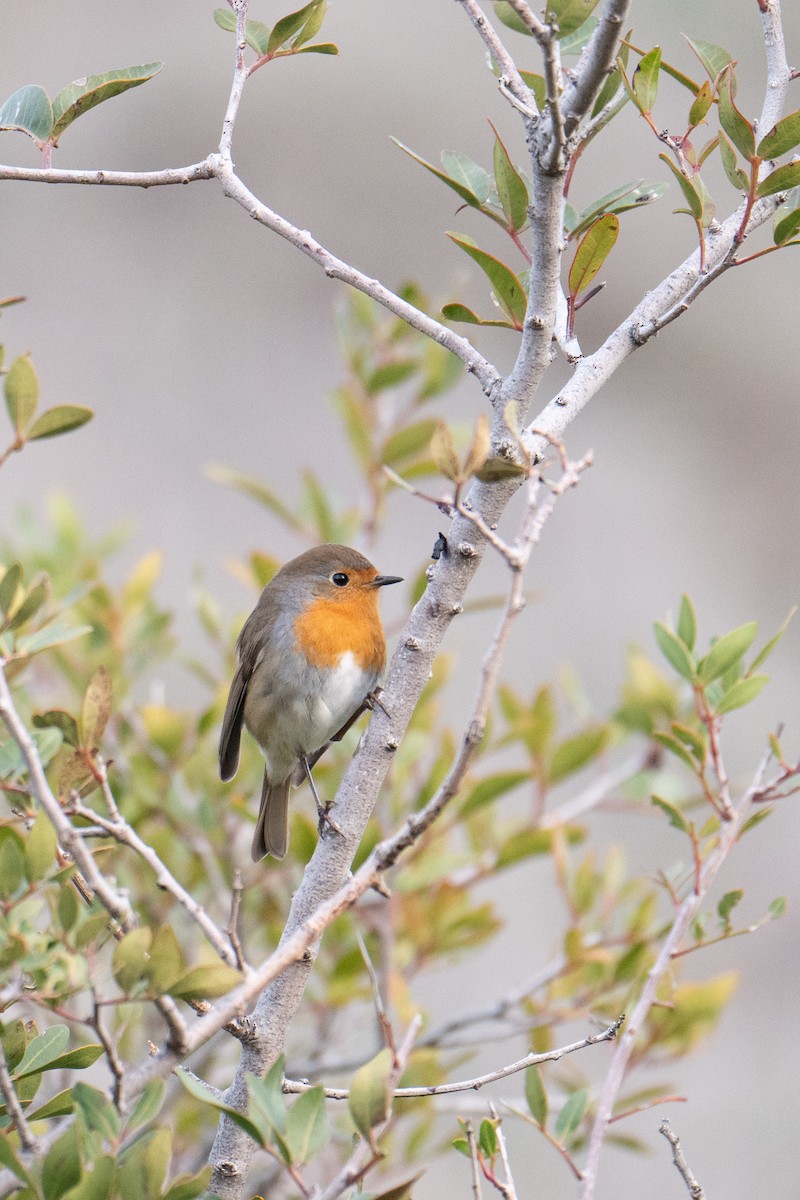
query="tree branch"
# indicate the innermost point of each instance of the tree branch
(695, 1190)
(510, 79)
(142, 179)
(594, 64)
(728, 836)
(473, 1085)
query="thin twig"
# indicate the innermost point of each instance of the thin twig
(695, 1189)
(509, 1189)
(473, 1155)
(683, 918)
(13, 1106)
(336, 268)
(126, 835)
(99, 176)
(511, 82)
(232, 928)
(474, 1085)
(109, 1045)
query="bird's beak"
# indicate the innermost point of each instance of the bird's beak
(383, 580)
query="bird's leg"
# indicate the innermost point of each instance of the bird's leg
(323, 810)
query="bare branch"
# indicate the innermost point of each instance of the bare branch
(695, 1190)
(511, 82)
(336, 268)
(142, 179)
(126, 835)
(473, 1155)
(508, 1189)
(239, 79)
(14, 1108)
(779, 74)
(728, 836)
(594, 64)
(474, 1085)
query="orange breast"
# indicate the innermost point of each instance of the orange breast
(329, 628)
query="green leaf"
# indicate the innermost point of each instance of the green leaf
(535, 1095)
(391, 374)
(408, 443)
(538, 86)
(370, 1098)
(568, 15)
(313, 22)
(129, 961)
(29, 110)
(496, 470)
(469, 174)
(676, 747)
(593, 249)
(460, 312)
(98, 1112)
(12, 867)
(778, 907)
(741, 693)
(487, 1138)
(9, 587)
(713, 58)
(571, 1115)
(727, 904)
(207, 982)
(688, 187)
(787, 225)
(687, 622)
(622, 199)
(511, 187)
(674, 650)
(676, 817)
(257, 491)
(726, 651)
(401, 1191)
(52, 635)
(165, 965)
(737, 127)
(256, 32)
(56, 718)
(33, 601)
(59, 1105)
(42, 1051)
(266, 1097)
(736, 176)
(487, 790)
(148, 1105)
(507, 288)
(62, 1166)
(22, 393)
(195, 1087)
(505, 13)
(307, 1125)
(78, 97)
(576, 752)
(782, 138)
(766, 650)
(702, 103)
(58, 420)
(9, 1160)
(320, 48)
(645, 80)
(40, 847)
(294, 24)
(781, 180)
(461, 189)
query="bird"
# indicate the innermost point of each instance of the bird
(310, 658)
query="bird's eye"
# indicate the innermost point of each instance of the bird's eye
(340, 579)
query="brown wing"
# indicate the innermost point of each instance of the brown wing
(232, 725)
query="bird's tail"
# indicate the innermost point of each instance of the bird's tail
(272, 827)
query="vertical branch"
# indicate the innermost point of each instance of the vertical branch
(688, 910)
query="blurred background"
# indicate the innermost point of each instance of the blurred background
(201, 339)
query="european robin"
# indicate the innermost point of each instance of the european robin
(311, 654)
